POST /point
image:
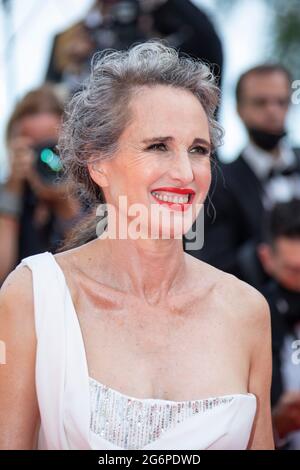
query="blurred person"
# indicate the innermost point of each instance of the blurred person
(35, 210)
(280, 256)
(117, 24)
(189, 29)
(124, 351)
(108, 24)
(266, 172)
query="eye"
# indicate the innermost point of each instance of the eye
(157, 146)
(200, 150)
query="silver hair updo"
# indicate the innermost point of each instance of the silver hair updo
(97, 115)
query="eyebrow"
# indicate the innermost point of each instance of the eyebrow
(197, 140)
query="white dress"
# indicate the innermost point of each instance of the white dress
(77, 412)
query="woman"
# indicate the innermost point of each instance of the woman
(127, 342)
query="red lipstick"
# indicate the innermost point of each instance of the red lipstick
(176, 190)
(177, 206)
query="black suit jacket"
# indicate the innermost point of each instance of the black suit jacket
(285, 313)
(233, 217)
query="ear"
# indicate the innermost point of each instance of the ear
(98, 174)
(264, 252)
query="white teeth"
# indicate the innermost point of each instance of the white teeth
(172, 199)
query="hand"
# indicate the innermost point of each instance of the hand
(23, 169)
(21, 163)
(286, 414)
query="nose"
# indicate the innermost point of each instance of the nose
(181, 169)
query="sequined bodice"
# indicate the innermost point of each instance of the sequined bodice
(133, 423)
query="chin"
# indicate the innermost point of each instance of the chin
(165, 232)
(172, 226)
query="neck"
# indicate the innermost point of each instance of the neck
(151, 269)
(275, 152)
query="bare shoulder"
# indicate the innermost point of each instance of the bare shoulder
(17, 324)
(16, 293)
(238, 300)
(244, 314)
(73, 259)
(246, 301)
(19, 415)
(80, 261)
(67, 258)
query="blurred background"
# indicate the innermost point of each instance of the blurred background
(251, 32)
(252, 212)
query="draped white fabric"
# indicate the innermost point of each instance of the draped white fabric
(62, 381)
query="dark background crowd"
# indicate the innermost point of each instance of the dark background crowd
(252, 213)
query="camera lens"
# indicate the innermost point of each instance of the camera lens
(48, 162)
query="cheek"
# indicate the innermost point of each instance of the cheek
(130, 182)
(282, 114)
(289, 281)
(202, 174)
(255, 116)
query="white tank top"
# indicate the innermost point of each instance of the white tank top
(77, 412)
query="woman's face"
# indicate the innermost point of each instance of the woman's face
(162, 162)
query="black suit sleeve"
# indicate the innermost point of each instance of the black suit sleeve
(52, 74)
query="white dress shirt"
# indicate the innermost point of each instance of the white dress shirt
(278, 188)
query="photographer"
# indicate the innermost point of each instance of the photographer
(36, 211)
(118, 24)
(108, 24)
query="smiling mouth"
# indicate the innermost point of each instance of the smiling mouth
(176, 198)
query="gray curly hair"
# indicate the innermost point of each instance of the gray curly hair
(98, 114)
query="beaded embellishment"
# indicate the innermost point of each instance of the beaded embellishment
(132, 423)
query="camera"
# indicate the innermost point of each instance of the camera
(47, 162)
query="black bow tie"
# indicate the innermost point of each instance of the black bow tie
(290, 170)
